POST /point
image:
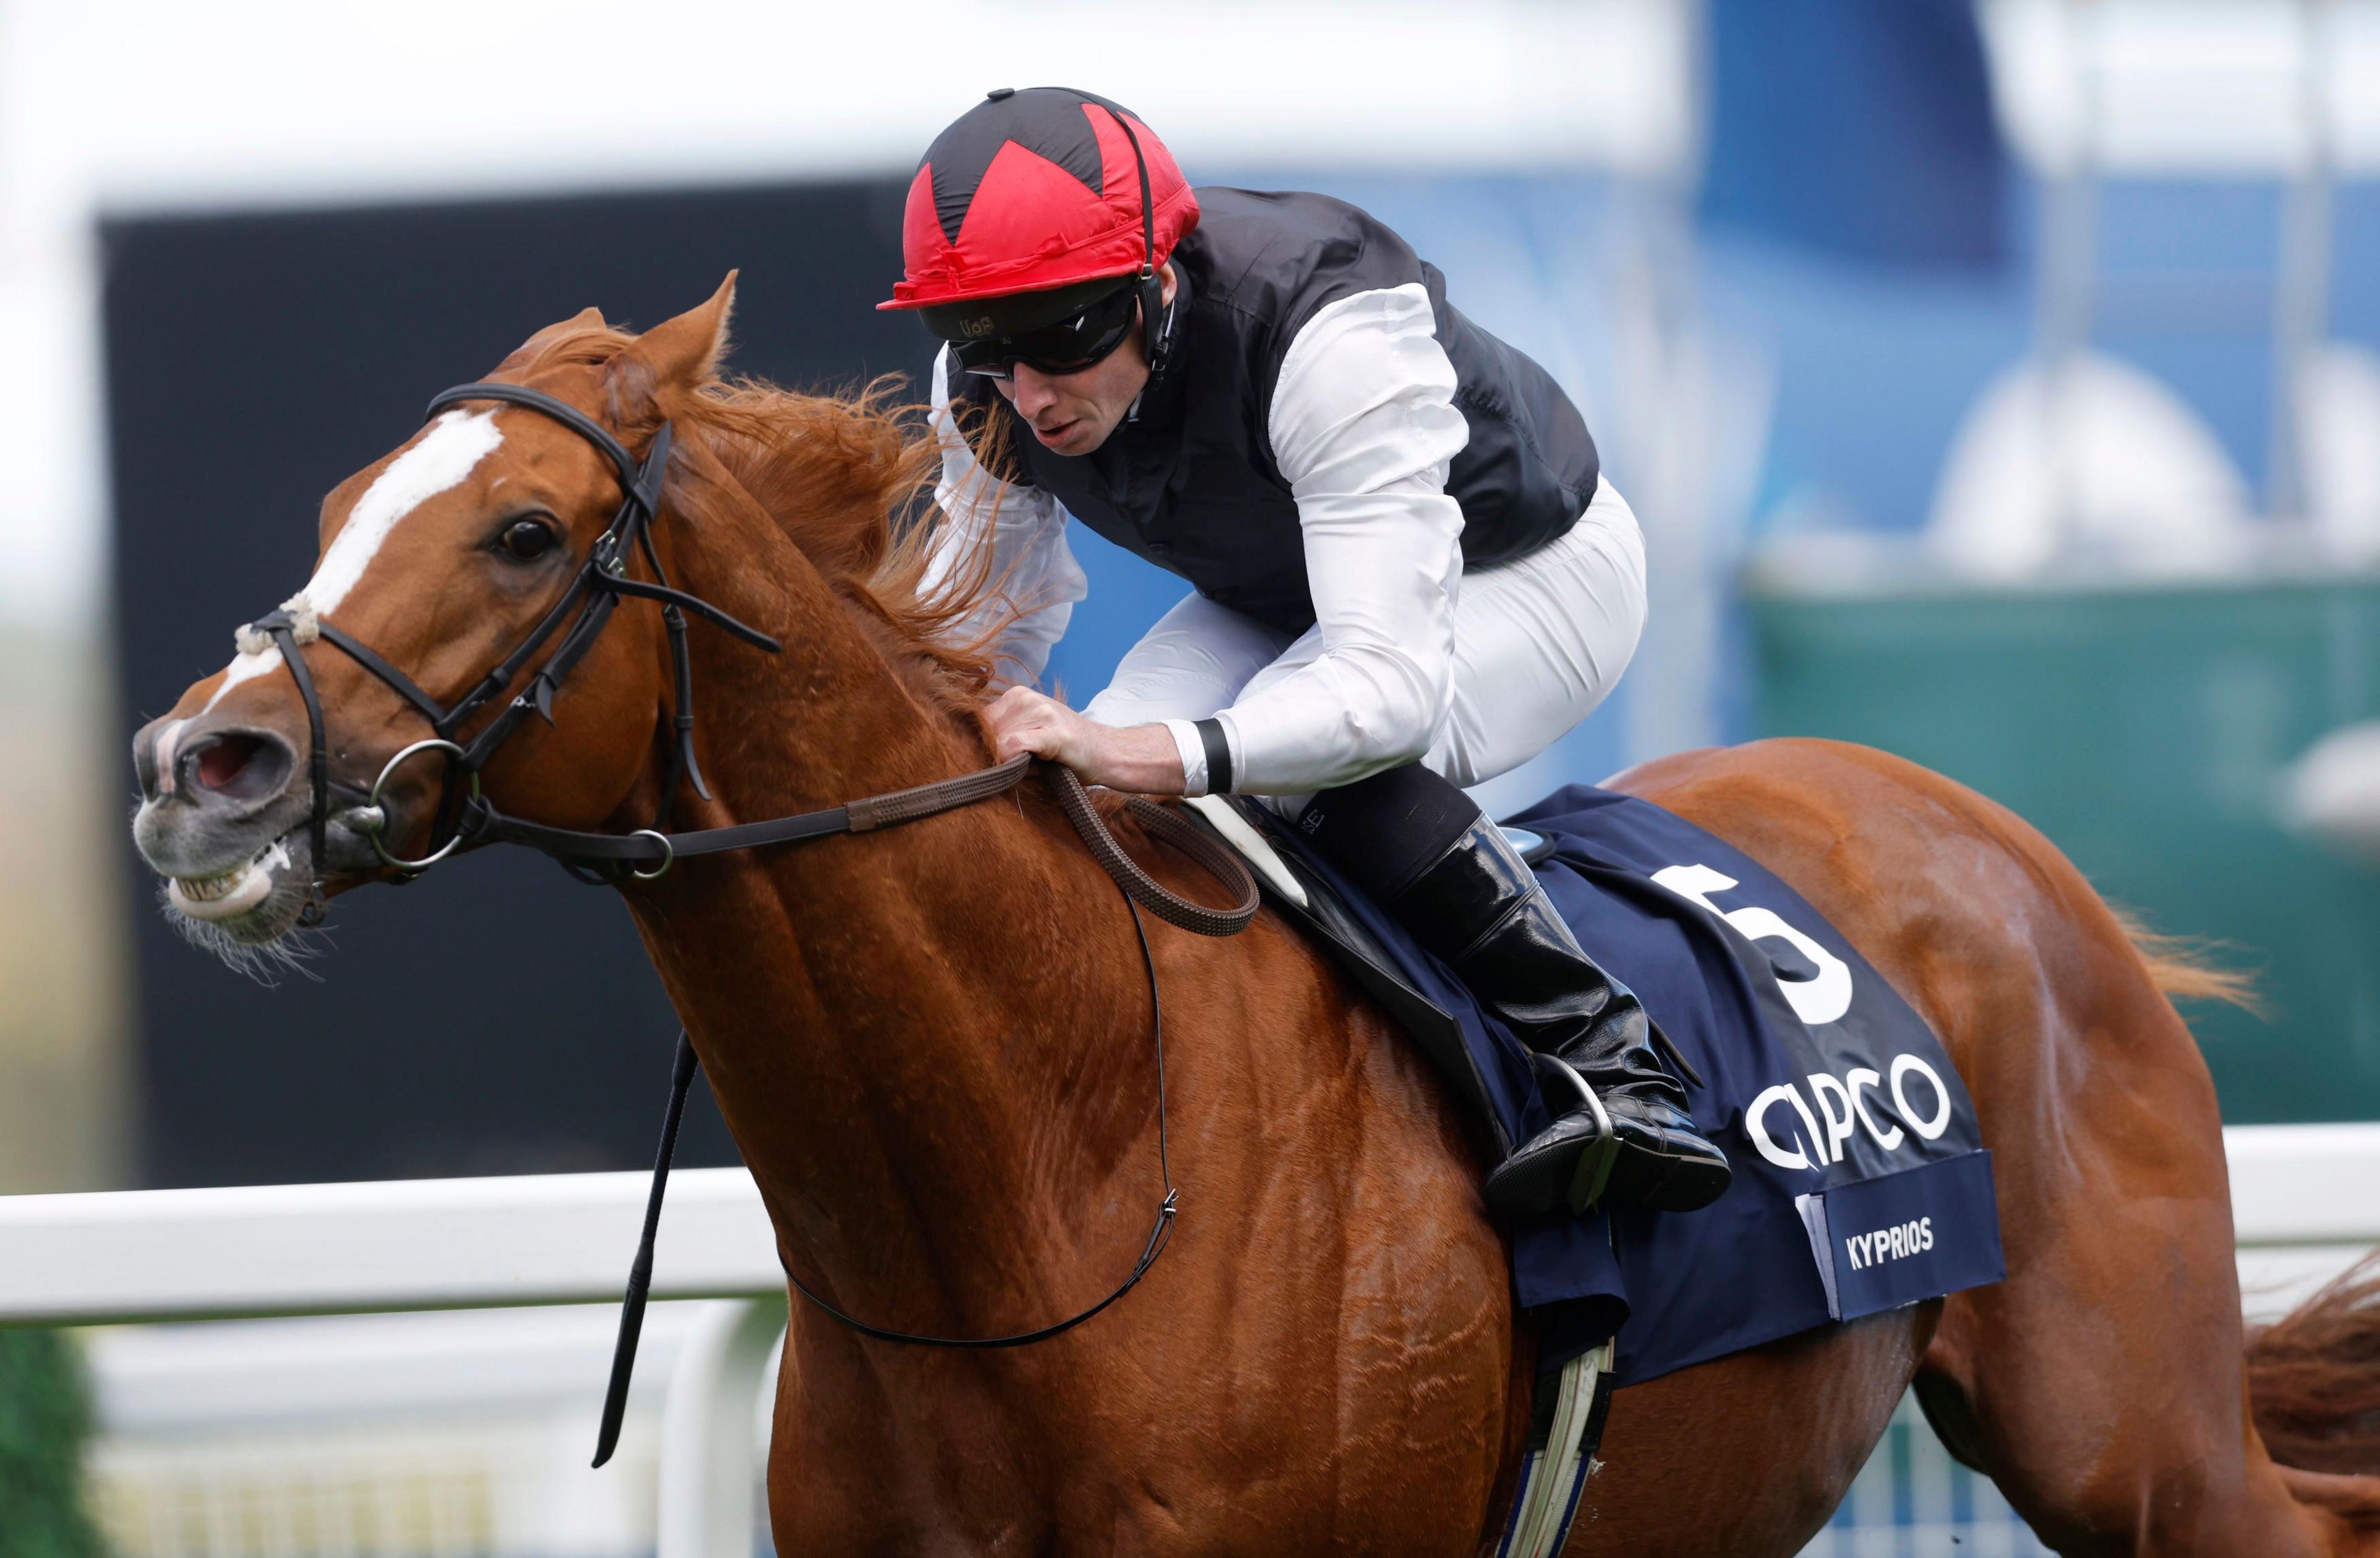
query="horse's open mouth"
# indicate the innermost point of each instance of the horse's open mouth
(231, 893)
(243, 913)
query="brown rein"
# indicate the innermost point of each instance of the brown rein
(482, 824)
(1168, 827)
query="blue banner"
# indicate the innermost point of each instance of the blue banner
(1861, 127)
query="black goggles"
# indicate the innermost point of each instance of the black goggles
(1081, 340)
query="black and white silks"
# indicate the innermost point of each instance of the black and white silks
(1328, 449)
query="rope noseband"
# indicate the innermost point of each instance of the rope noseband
(650, 852)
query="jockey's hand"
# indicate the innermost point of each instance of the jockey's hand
(1140, 758)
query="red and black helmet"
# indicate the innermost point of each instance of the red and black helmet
(1044, 191)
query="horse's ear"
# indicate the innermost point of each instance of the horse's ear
(582, 323)
(681, 353)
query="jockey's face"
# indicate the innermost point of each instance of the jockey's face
(1074, 413)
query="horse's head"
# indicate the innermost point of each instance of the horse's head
(444, 559)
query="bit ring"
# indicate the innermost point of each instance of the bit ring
(375, 833)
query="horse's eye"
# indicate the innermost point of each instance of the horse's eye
(525, 540)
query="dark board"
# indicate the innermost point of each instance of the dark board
(493, 1018)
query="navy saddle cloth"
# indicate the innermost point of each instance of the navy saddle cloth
(1861, 1182)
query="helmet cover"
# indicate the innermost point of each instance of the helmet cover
(1034, 189)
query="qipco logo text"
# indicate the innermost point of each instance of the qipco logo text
(1829, 1109)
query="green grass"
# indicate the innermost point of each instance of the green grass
(44, 1423)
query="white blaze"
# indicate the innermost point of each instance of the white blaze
(458, 444)
(454, 445)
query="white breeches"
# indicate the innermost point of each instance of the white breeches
(1539, 642)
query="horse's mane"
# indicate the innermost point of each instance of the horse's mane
(849, 479)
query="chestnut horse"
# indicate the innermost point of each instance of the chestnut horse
(931, 1044)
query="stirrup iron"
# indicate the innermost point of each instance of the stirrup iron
(1594, 1173)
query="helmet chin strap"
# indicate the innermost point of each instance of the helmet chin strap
(1154, 338)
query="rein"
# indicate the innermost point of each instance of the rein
(602, 858)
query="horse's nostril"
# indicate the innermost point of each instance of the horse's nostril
(235, 765)
(222, 763)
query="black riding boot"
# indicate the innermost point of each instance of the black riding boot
(1622, 1134)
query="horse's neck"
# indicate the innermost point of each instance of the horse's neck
(929, 1041)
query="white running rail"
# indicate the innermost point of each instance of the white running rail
(444, 1243)
(2306, 1201)
(376, 1247)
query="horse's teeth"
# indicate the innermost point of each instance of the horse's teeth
(208, 888)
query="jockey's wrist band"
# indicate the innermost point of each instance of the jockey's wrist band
(1192, 750)
(1219, 755)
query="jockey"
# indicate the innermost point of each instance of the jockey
(1408, 573)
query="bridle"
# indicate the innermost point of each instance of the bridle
(594, 593)
(598, 857)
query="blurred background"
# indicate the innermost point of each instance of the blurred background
(1999, 384)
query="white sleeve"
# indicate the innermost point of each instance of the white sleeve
(1364, 426)
(1030, 561)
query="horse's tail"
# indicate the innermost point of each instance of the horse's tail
(2181, 969)
(2314, 1388)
